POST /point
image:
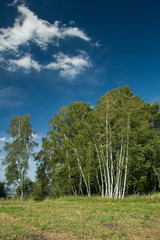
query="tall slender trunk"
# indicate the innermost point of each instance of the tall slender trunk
(111, 166)
(107, 155)
(104, 171)
(21, 178)
(121, 175)
(20, 164)
(83, 176)
(126, 168)
(69, 176)
(127, 153)
(80, 167)
(80, 184)
(100, 168)
(99, 186)
(118, 173)
(21, 187)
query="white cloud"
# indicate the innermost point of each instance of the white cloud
(28, 27)
(36, 136)
(3, 139)
(2, 59)
(74, 32)
(25, 63)
(15, 2)
(6, 139)
(72, 23)
(70, 67)
(97, 44)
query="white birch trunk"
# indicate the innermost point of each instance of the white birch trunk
(127, 149)
(100, 190)
(118, 173)
(21, 164)
(80, 167)
(69, 176)
(125, 177)
(104, 171)
(121, 174)
(100, 168)
(112, 170)
(107, 156)
(83, 176)
(80, 184)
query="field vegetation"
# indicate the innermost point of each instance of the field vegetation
(110, 150)
(136, 217)
(92, 168)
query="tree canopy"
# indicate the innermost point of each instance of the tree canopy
(109, 150)
(18, 151)
(112, 149)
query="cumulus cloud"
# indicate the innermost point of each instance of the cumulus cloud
(28, 27)
(25, 63)
(3, 139)
(2, 59)
(70, 67)
(15, 2)
(6, 139)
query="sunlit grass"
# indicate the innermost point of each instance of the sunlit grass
(135, 217)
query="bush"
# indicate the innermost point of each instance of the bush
(3, 193)
(38, 194)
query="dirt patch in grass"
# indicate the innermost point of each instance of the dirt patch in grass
(30, 237)
(60, 235)
(112, 226)
(86, 219)
(32, 232)
(145, 233)
(13, 225)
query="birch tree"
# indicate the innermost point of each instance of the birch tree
(109, 150)
(19, 150)
(118, 120)
(68, 127)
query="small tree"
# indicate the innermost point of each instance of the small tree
(19, 151)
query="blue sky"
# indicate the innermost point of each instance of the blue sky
(56, 52)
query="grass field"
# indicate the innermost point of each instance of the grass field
(81, 218)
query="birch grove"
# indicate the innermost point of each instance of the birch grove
(102, 150)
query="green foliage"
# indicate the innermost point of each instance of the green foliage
(106, 150)
(28, 187)
(38, 193)
(19, 150)
(3, 192)
(110, 150)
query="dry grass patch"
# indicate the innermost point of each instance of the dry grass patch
(81, 218)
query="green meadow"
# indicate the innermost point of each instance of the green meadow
(136, 217)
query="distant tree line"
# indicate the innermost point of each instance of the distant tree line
(112, 149)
